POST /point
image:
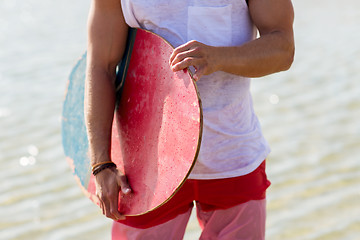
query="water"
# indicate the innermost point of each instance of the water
(309, 115)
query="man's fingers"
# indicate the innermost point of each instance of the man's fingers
(101, 204)
(188, 55)
(200, 67)
(109, 210)
(102, 207)
(124, 185)
(202, 57)
(198, 74)
(181, 55)
(185, 63)
(189, 49)
(183, 48)
(105, 207)
(114, 208)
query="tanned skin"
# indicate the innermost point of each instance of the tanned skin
(107, 33)
(272, 52)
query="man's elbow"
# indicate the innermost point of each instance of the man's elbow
(288, 56)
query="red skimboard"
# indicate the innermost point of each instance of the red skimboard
(157, 125)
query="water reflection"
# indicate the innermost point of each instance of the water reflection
(310, 116)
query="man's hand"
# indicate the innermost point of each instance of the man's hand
(109, 183)
(202, 57)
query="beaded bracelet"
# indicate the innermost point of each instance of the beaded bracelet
(101, 167)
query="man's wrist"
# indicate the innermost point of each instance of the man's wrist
(97, 168)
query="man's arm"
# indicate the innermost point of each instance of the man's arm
(272, 52)
(107, 33)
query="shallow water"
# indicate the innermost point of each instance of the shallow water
(309, 115)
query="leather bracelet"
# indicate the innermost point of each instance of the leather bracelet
(101, 167)
(98, 164)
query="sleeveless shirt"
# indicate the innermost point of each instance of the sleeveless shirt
(232, 142)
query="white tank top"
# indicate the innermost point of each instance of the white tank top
(232, 142)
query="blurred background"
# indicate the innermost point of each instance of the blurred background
(310, 115)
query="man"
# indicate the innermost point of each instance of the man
(218, 39)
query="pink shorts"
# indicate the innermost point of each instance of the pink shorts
(209, 195)
(244, 221)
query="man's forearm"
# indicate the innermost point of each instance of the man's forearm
(268, 54)
(271, 53)
(107, 33)
(99, 112)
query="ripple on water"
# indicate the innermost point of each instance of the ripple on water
(309, 114)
